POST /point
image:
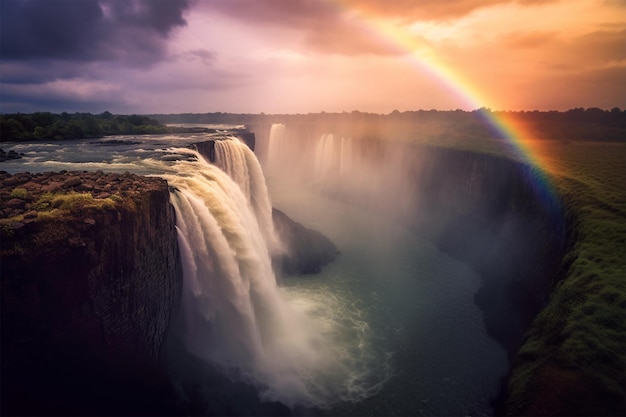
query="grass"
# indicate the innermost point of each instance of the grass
(54, 218)
(575, 351)
(579, 340)
(19, 193)
(53, 206)
(73, 201)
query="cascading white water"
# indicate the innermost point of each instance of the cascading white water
(277, 145)
(326, 156)
(239, 162)
(333, 157)
(235, 316)
(346, 156)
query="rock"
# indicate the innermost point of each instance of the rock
(15, 203)
(85, 186)
(72, 181)
(86, 300)
(52, 187)
(31, 215)
(308, 250)
(31, 186)
(16, 225)
(9, 155)
(11, 181)
(76, 242)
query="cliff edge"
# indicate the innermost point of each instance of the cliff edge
(90, 279)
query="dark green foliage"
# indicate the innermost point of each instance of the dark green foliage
(49, 126)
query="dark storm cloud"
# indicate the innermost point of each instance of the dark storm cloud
(45, 29)
(38, 71)
(55, 54)
(18, 103)
(85, 30)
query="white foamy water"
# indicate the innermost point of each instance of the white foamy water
(235, 314)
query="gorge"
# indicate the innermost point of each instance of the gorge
(484, 222)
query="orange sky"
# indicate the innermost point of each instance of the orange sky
(299, 56)
(384, 55)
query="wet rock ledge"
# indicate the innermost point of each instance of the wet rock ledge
(90, 279)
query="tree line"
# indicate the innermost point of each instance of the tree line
(50, 126)
(576, 124)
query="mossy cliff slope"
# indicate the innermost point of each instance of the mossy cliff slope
(90, 280)
(498, 216)
(552, 258)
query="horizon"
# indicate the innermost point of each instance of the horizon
(310, 56)
(323, 112)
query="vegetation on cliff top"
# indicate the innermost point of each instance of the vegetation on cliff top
(577, 124)
(573, 360)
(55, 207)
(44, 125)
(37, 208)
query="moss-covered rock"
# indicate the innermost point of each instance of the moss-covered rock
(89, 284)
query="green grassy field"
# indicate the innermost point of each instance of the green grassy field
(573, 361)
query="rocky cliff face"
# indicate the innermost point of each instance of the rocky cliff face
(307, 251)
(495, 214)
(499, 217)
(90, 281)
(87, 294)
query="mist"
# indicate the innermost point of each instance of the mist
(484, 210)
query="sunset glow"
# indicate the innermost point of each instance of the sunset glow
(299, 56)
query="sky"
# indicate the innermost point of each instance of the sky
(307, 56)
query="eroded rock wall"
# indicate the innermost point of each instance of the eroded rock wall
(87, 297)
(505, 221)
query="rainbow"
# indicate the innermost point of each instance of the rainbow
(520, 141)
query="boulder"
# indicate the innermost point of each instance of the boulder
(307, 250)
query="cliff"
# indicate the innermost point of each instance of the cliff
(90, 279)
(207, 148)
(307, 250)
(499, 217)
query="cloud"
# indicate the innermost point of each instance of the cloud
(430, 10)
(321, 26)
(133, 32)
(62, 95)
(524, 40)
(344, 26)
(601, 47)
(305, 13)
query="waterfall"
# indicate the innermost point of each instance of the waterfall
(238, 161)
(346, 157)
(325, 155)
(277, 147)
(234, 314)
(333, 157)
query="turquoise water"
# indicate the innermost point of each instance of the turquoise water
(403, 309)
